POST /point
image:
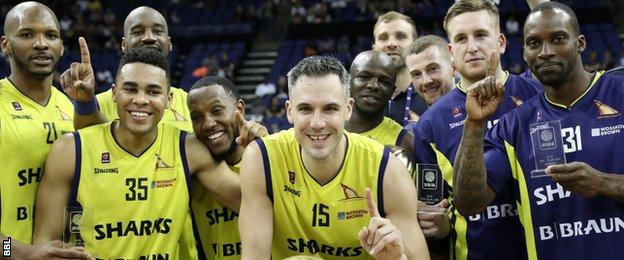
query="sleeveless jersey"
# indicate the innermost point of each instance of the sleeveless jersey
(177, 114)
(217, 225)
(493, 233)
(387, 132)
(132, 207)
(560, 224)
(322, 220)
(27, 131)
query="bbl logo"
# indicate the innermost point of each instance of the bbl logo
(291, 177)
(16, 106)
(546, 138)
(106, 157)
(429, 182)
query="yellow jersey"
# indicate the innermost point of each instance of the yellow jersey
(133, 207)
(27, 131)
(387, 132)
(177, 114)
(321, 220)
(217, 225)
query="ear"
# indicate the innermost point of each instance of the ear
(349, 107)
(62, 49)
(240, 106)
(170, 44)
(123, 45)
(581, 43)
(503, 43)
(450, 50)
(169, 98)
(288, 112)
(114, 92)
(5, 45)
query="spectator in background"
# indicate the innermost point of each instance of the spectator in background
(607, 60)
(265, 88)
(512, 26)
(275, 120)
(593, 64)
(209, 67)
(327, 45)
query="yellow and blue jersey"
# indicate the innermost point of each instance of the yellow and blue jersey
(131, 207)
(321, 219)
(27, 131)
(177, 114)
(217, 225)
(559, 224)
(496, 231)
(387, 132)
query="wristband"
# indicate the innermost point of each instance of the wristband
(86, 108)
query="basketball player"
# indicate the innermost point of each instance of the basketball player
(311, 181)
(130, 177)
(572, 209)
(394, 33)
(372, 83)
(144, 26)
(32, 115)
(476, 41)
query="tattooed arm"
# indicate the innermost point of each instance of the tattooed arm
(471, 190)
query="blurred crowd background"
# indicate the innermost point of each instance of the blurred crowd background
(255, 42)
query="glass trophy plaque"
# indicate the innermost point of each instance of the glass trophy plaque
(430, 183)
(547, 146)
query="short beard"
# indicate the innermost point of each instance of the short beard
(399, 64)
(23, 67)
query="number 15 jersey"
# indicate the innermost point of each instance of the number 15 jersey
(322, 220)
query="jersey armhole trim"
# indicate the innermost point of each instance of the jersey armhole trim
(187, 173)
(380, 179)
(267, 169)
(399, 139)
(73, 196)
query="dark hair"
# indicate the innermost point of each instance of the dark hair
(145, 55)
(319, 66)
(215, 80)
(551, 5)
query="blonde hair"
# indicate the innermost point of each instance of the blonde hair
(469, 6)
(391, 16)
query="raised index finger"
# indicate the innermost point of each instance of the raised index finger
(84, 51)
(494, 59)
(372, 207)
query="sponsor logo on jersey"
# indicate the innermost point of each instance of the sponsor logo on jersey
(114, 170)
(64, 116)
(349, 193)
(605, 111)
(356, 213)
(456, 112)
(17, 106)
(133, 228)
(21, 117)
(456, 124)
(163, 183)
(312, 246)
(563, 230)
(291, 177)
(160, 164)
(292, 190)
(607, 130)
(105, 157)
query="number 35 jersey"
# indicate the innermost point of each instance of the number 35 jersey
(133, 207)
(322, 220)
(27, 131)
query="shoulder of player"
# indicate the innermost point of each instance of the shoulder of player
(361, 144)
(519, 84)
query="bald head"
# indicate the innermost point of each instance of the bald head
(145, 26)
(375, 59)
(28, 10)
